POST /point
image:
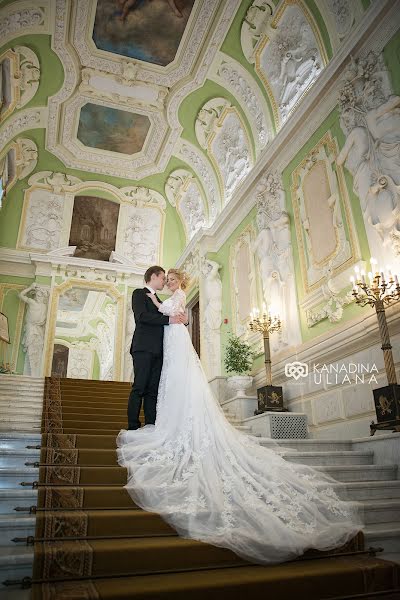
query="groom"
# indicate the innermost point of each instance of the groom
(147, 348)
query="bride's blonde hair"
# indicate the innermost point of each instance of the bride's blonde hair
(182, 277)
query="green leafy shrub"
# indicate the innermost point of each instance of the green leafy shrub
(238, 356)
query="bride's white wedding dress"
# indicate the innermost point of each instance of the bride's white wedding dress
(213, 483)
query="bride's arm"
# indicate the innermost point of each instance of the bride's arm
(174, 305)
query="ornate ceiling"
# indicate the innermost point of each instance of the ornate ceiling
(189, 91)
(107, 83)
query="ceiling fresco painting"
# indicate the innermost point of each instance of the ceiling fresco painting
(112, 129)
(146, 30)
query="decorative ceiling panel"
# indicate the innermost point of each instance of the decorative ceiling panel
(112, 129)
(132, 88)
(146, 31)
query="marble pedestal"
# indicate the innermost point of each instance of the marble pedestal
(240, 407)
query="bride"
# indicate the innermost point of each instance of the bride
(211, 482)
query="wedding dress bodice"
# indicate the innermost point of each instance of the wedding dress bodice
(175, 304)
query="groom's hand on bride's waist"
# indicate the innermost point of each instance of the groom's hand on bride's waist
(181, 318)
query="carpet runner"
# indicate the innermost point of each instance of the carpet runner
(91, 541)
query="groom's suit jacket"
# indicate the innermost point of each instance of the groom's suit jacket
(149, 331)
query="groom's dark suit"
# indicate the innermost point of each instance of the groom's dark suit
(147, 354)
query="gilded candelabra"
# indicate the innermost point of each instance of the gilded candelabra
(381, 290)
(269, 397)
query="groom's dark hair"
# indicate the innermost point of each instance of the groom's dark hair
(155, 270)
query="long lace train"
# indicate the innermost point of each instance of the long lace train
(213, 483)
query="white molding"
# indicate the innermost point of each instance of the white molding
(23, 120)
(23, 18)
(376, 28)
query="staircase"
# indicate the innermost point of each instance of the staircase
(21, 401)
(86, 519)
(376, 487)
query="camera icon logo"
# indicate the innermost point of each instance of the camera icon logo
(296, 369)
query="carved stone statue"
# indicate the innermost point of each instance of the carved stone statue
(104, 339)
(213, 294)
(211, 289)
(370, 117)
(273, 249)
(263, 249)
(36, 298)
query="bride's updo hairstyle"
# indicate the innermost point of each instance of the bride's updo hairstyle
(182, 277)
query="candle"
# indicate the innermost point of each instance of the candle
(370, 277)
(363, 276)
(396, 279)
(353, 282)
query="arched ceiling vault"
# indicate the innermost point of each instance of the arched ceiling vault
(185, 93)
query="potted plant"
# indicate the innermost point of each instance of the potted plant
(239, 361)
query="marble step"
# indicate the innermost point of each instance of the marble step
(243, 428)
(21, 386)
(21, 426)
(308, 445)
(17, 392)
(17, 458)
(18, 399)
(381, 511)
(14, 392)
(12, 478)
(15, 563)
(369, 490)
(10, 498)
(360, 472)
(12, 526)
(30, 415)
(386, 535)
(17, 440)
(18, 403)
(5, 376)
(335, 457)
(19, 413)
